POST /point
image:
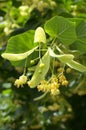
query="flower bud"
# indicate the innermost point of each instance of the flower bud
(41, 65)
(32, 62)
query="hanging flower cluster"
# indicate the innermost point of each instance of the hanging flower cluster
(21, 81)
(62, 80)
(53, 84)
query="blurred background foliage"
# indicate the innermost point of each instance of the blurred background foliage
(18, 110)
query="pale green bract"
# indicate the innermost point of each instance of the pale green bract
(40, 35)
(77, 66)
(68, 59)
(40, 72)
(17, 57)
(62, 57)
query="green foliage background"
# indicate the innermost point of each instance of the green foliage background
(18, 110)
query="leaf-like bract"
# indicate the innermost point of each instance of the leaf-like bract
(17, 57)
(40, 72)
(68, 59)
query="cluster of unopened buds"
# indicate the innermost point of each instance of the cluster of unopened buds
(53, 84)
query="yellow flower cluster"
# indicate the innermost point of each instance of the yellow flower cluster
(68, 70)
(53, 84)
(62, 80)
(21, 81)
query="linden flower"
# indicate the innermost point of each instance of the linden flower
(68, 70)
(55, 92)
(63, 81)
(54, 88)
(21, 81)
(43, 86)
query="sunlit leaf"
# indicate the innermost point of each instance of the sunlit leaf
(61, 28)
(21, 43)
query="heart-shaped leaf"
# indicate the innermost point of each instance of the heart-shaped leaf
(81, 32)
(21, 45)
(61, 28)
(80, 43)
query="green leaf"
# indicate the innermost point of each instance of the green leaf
(61, 28)
(80, 43)
(68, 59)
(80, 46)
(17, 57)
(81, 32)
(40, 72)
(21, 43)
